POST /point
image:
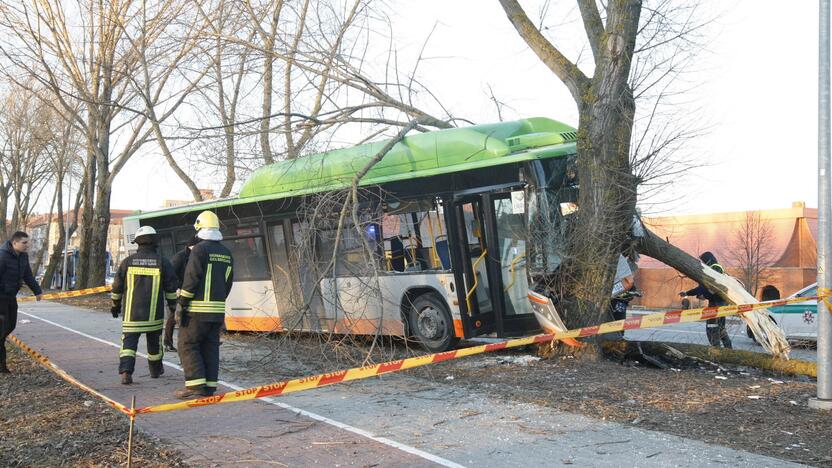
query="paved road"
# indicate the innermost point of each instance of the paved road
(395, 420)
(695, 333)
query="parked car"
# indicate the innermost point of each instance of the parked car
(799, 321)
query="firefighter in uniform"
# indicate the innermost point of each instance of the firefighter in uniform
(714, 328)
(179, 262)
(207, 281)
(144, 282)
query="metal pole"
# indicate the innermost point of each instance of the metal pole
(824, 396)
(65, 287)
(130, 434)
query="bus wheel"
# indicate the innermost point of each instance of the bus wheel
(430, 323)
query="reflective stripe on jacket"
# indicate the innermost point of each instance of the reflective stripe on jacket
(144, 281)
(207, 282)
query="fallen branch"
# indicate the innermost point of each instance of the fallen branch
(767, 333)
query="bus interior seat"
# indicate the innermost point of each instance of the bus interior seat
(443, 253)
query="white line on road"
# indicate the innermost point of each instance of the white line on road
(384, 440)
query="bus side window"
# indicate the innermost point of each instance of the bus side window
(249, 255)
(351, 258)
(414, 237)
(165, 245)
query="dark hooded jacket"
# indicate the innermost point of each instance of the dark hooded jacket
(714, 300)
(14, 271)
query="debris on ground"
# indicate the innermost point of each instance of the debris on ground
(46, 422)
(687, 401)
(522, 360)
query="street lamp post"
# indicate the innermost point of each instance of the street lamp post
(824, 395)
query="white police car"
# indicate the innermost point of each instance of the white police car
(799, 321)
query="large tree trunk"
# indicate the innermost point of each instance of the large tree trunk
(87, 213)
(607, 197)
(96, 217)
(101, 222)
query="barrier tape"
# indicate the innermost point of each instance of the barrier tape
(43, 360)
(60, 295)
(655, 320)
(826, 295)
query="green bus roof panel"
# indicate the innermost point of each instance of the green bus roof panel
(414, 154)
(421, 155)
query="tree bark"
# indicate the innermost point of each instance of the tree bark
(608, 189)
(87, 212)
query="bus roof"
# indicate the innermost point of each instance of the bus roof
(420, 155)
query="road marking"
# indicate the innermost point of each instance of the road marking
(383, 440)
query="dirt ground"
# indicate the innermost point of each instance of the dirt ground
(47, 422)
(741, 408)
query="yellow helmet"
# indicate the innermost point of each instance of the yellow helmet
(207, 219)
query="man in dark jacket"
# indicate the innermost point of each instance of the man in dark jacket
(179, 262)
(208, 278)
(14, 271)
(714, 328)
(145, 280)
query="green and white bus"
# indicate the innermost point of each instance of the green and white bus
(462, 219)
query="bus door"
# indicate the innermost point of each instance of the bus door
(285, 285)
(507, 233)
(469, 250)
(490, 248)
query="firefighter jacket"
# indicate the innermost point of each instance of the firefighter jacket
(179, 262)
(207, 281)
(142, 284)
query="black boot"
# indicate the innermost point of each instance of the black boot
(170, 347)
(4, 369)
(156, 369)
(126, 378)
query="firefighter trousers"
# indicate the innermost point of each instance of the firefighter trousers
(129, 344)
(715, 329)
(199, 351)
(170, 322)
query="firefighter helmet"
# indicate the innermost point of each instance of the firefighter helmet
(207, 219)
(144, 231)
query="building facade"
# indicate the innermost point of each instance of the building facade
(790, 244)
(44, 233)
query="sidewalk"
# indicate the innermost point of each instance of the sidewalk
(394, 421)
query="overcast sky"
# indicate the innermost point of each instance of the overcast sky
(756, 90)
